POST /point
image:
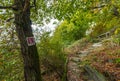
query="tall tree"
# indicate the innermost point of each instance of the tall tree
(29, 53)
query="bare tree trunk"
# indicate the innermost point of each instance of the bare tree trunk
(24, 30)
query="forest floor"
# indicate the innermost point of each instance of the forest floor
(104, 58)
(49, 75)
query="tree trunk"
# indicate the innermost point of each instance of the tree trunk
(24, 30)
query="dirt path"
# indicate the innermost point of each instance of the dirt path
(75, 71)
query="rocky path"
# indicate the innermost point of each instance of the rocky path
(75, 72)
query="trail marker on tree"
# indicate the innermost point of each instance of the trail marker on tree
(30, 41)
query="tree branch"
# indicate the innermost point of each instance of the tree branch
(13, 7)
(96, 7)
(35, 4)
(6, 7)
(8, 20)
(27, 5)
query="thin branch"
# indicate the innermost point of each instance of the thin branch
(6, 7)
(32, 6)
(35, 4)
(96, 7)
(27, 5)
(13, 7)
(8, 20)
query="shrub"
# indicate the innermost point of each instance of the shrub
(52, 55)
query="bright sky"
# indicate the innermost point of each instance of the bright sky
(48, 27)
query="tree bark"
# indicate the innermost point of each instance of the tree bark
(24, 30)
